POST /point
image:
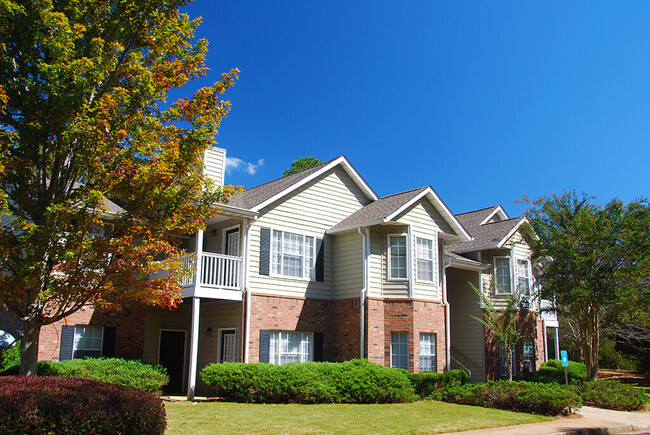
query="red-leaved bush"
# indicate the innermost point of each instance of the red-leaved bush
(55, 405)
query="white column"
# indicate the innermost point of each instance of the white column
(199, 253)
(409, 259)
(545, 341)
(247, 322)
(194, 347)
(557, 343)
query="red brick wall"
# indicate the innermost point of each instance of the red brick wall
(533, 328)
(129, 323)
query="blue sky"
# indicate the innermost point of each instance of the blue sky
(485, 101)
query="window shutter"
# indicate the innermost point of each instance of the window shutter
(318, 346)
(108, 343)
(265, 339)
(265, 248)
(67, 342)
(320, 260)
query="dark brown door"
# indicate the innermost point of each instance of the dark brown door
(171, 356)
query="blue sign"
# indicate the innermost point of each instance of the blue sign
(565, 358)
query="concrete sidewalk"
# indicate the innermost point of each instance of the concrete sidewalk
(593, 421)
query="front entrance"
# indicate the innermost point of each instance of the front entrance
(171, 355)
(228, 345)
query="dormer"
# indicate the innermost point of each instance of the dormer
(498, 214)
(214, 164)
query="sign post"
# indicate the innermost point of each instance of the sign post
(565, 364)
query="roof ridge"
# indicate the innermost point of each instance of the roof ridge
(503, 220)
(401, 193)
(477, 210)
(288, 177)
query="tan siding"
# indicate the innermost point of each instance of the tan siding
(311, 210)
(214, 161)
(348, 265)
(467, 340)
(214, 243)
(157, 319)
(376, 261)
(422, 218)
(217, 315)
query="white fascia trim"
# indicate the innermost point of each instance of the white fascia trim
(339, 161)
(466, 265)
(236, 210)
(512, 232)
(500, 211)
(438, 205)
(355, 226)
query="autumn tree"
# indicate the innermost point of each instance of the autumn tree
(301, 164)
(594, 263)
(98, 169)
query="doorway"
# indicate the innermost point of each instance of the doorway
(171, 355)
(227, 346)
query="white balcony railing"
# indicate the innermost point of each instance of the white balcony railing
(219, 271)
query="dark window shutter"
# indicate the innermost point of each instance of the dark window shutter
(265, 339)
(320, 260)
(265, 247)
(318, 346)
(108, 344)
(67, 340)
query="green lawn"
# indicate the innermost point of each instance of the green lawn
(418, 417)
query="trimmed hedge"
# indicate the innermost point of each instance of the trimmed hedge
(553, 372)
(429, 385)
(355, 381)
(521, 396)
(51, 405)
(135, 374)
(611, 395)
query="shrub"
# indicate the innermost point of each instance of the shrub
(611, 395)
(136, 374)
(553, 372)
(53, 405)
(9, 357)
(356, 381)
(431, 385)
(521, 396)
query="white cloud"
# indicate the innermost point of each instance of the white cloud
(235, 164)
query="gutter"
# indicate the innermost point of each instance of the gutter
(247, 324)
(446, 263)
(364, 291)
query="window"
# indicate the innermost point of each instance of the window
(87, 341)
(523, 277)
(502, 274)
(290, 346)
(424, 254)
(228, 345)
(528, 347)
(397, 257)
(399, 350)
(428, 352)
(292, 255)
(231, 241)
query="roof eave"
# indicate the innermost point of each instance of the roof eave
(337, 230)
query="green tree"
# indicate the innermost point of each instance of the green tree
(84, 117)
(301, 164)
(593, 262)
(504, 324)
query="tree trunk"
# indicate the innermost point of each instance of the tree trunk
(29, 349)
(508, 362)
(590, 342)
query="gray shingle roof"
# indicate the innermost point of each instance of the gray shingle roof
(485, 236)
(379, 209)
(258, 194)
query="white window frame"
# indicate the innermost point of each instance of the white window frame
(528, 360)
(308, 258)
(424, 353)
(389, 251)
(75, 341)
(224, 242)
(497, 289)
(275, 346)
(528, 276)
(399, 355)
(220, 332)
(431, 261)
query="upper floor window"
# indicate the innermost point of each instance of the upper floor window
(502, 274)
(424, 254)
(397, 257)
(292, 255)
(523, 276)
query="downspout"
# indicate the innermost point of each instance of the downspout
(446, 264)
(247, 323)
(364, 292)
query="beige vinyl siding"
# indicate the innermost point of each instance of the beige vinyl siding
(467, 342)
(214, 161)
(214, 243)
(157, 319)
(423, 219)
(311, 210)
(348, 265)
(392, 288)
(376, 262)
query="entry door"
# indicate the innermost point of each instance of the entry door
(232, 242)
(228, 346)
(171, 356)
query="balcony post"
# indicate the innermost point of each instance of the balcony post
(199, 252)
(194, 347)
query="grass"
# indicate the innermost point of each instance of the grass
(418, 417)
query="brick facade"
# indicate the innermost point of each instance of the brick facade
(129, 324)
(533, 328)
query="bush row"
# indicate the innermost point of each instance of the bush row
(611, 395)
(355, 381)
(553, 372)
(521, 396)
(136, 374)
(429, 385)
(52, 405)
